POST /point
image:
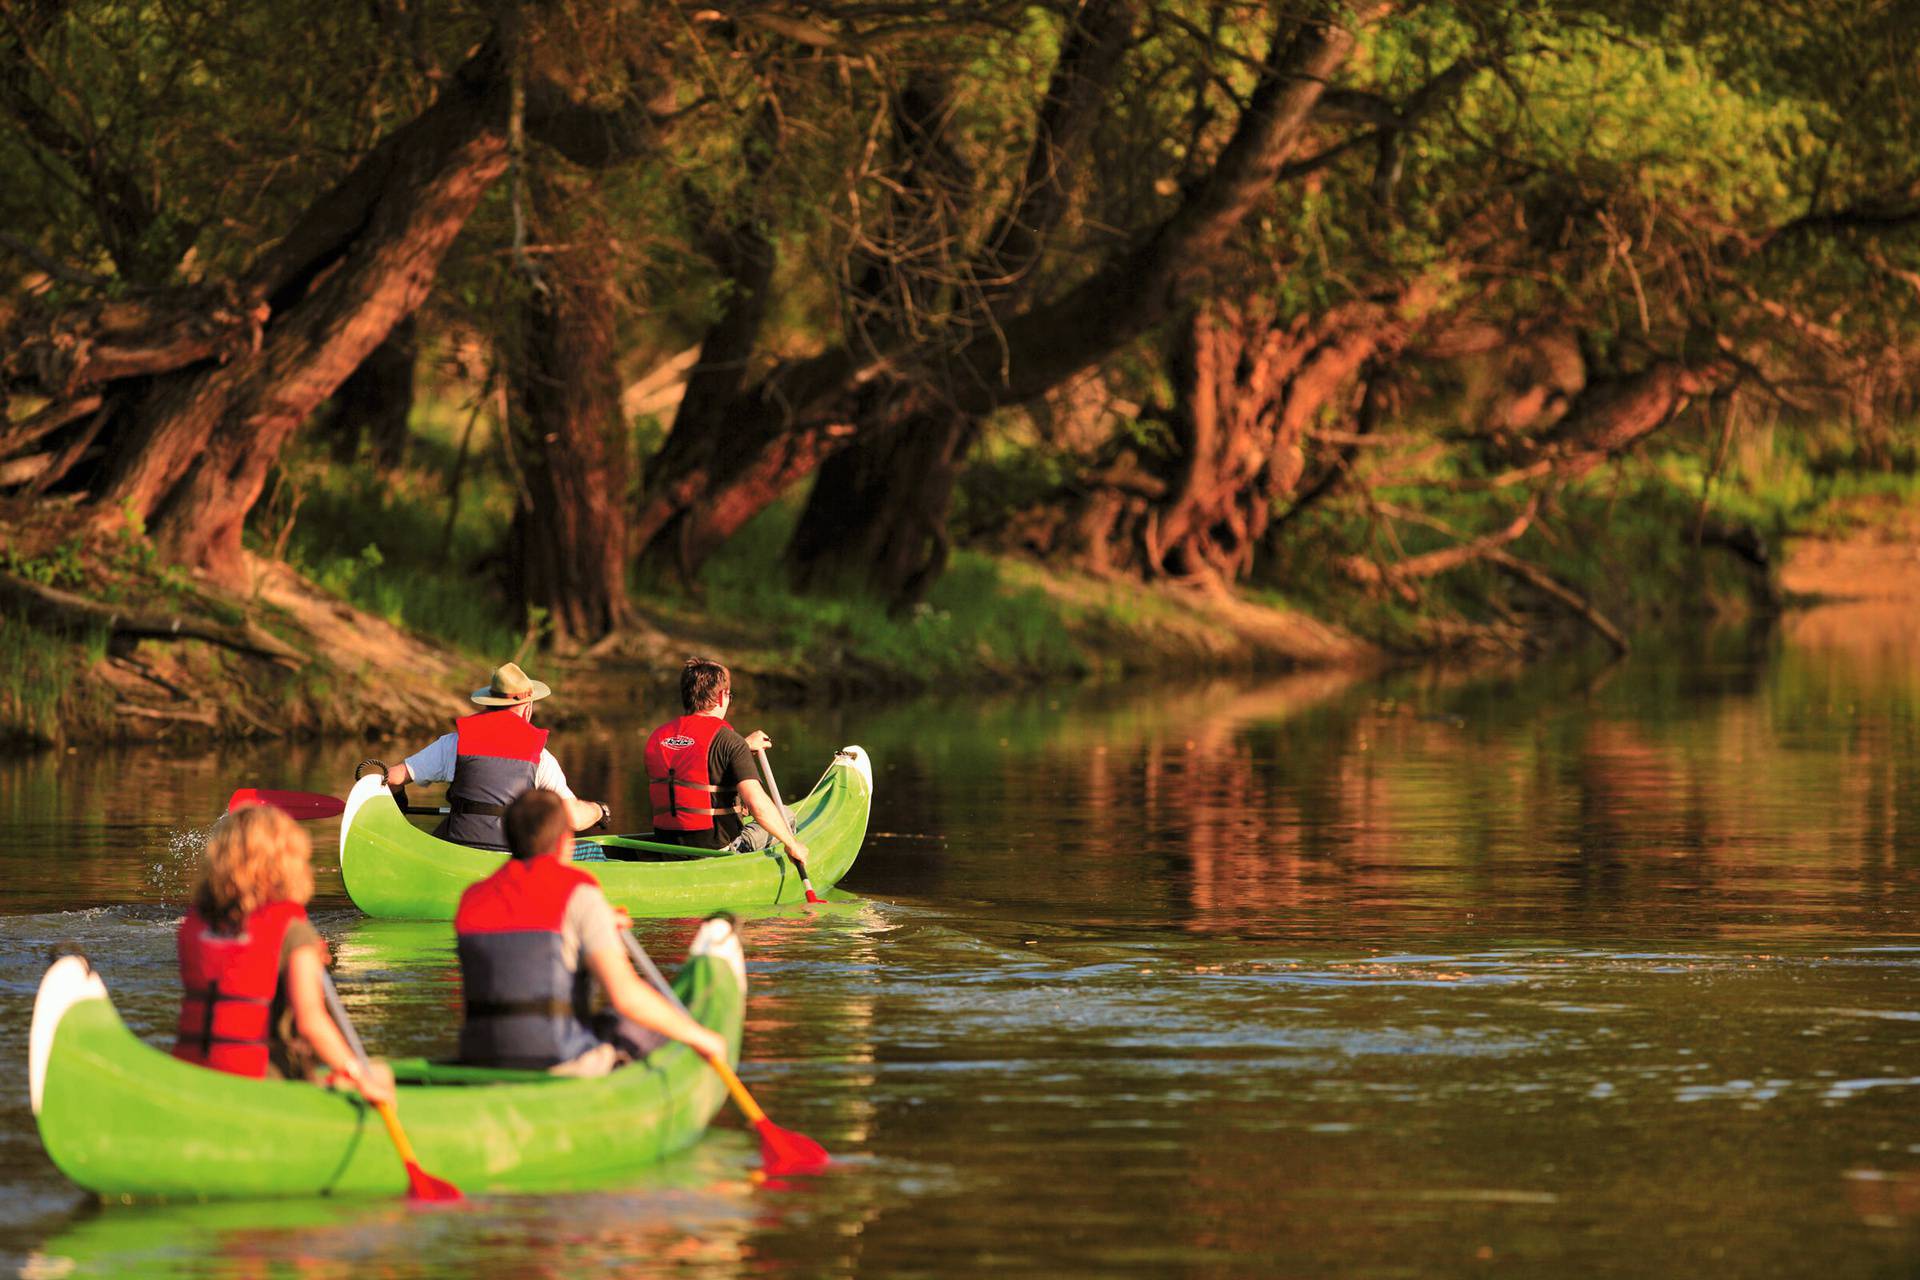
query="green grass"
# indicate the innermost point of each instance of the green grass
(1622, 538)
(976, 619)
(38, 678)
(374, 539)
(1828, 478)
(381, 541)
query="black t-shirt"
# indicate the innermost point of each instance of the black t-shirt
(729, 763)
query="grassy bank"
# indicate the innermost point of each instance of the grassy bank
(1644, 541)
(396, 545)
(1651, 541)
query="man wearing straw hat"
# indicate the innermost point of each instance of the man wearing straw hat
(490, 758)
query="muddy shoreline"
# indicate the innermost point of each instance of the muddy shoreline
(350, 675)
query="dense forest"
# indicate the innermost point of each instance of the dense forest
(1287, 296)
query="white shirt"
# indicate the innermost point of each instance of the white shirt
(434, 763)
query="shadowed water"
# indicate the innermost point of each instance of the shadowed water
(1576, 970)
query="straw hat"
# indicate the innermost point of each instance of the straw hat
(510, 687)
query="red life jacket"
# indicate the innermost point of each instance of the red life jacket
(229, 981)
(496, 754)
(524, 1007)
(678, 783)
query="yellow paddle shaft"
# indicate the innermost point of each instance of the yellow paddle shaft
(394, 1131)
(741, 1097)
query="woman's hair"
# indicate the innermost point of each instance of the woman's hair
(255, 856)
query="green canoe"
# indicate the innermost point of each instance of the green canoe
(395, 870)
(124, 1119)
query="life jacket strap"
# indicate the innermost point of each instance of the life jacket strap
(456, 805)
(674, 780)
(208, 999)
(213, 993)
(520, 1009)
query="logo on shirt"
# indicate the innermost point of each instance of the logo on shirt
(676, 743)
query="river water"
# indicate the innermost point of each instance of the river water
(1573, 970)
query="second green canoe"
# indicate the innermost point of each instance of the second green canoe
(124, 1119)
(395, 870)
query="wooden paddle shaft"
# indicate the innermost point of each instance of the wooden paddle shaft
(644, 962)
(773, 788)
(394, 1131)
(744, 1100)
(338, 1012)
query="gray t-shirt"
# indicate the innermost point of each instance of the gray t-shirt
(587, 927)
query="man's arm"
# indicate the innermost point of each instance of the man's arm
(640, 1003)
(586, 813)
(547, 775)
(768, 815)
(432, 763)
(306, 970)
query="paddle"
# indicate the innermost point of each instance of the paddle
(421, 1185)
(773, 789)
(306, 806)
(782, 1151)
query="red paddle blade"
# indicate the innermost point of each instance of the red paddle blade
(811, 895)
(304, 805)
(422, 1185)
(783, 1151)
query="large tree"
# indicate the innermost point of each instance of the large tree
(168, 404)
(782, 425)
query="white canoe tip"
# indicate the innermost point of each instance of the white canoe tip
(364, 790)
(855, 758)
(69, 981)
(720, 939)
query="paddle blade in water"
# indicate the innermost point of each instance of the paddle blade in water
(422, 1185)
(783, 1151)
(304, 805)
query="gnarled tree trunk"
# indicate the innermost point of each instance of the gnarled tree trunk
(198, 389)
(878, 510)
(1250, 389)
(785, 425)
(195, 449)
(887, 517)
(569, 546)
(191, 394)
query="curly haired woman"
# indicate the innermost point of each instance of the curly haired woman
(252, 966)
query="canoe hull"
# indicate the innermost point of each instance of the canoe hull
(396, 871)
(126, 1120)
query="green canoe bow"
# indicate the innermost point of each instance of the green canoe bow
(124, 1119)
(394, 870)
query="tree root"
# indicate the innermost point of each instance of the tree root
(64, 611)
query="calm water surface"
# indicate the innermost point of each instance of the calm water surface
(1576, 970)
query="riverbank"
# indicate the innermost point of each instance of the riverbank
(374, 612)
(1865, 578)
(101, 644)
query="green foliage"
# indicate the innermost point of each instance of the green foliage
(1623, 539)
(60, 567)
(38, 671)
(376, 538)
(974, 622)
